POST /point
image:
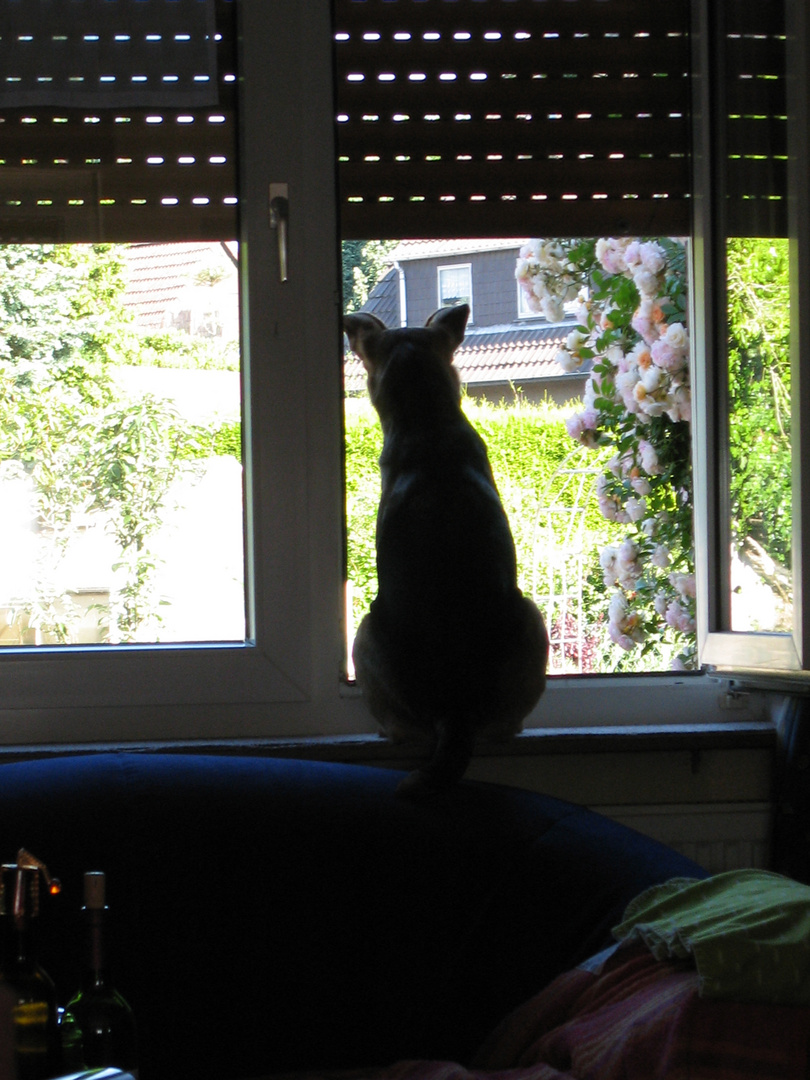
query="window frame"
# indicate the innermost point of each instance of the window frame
(756, 658)
(286, 682)
(292, 482)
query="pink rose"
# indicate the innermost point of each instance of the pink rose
(649, 457)
(652, 257)
(636, 508)
(665, 356)
(660, 557)
(679, 618)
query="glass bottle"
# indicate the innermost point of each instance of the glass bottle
(32, 992)
(98, 1026)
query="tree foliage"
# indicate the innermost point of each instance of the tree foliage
(62, 323)
(759, 394)
(363, 264)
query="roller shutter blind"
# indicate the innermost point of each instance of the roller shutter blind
(751, 73)
(117, 120)
(454, 118)
(512, 117)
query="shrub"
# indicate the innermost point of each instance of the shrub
(177, 349)
(529, 450)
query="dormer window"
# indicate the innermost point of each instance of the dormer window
(455, 286)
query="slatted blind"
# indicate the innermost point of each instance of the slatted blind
(454, 118)
(754, 84)
(512, 117)
(117, 120)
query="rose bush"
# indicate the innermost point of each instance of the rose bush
(632, 338)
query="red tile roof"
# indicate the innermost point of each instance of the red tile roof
(157, 275)
(509, 354)
(496, 354)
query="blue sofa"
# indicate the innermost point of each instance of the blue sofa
(273, 915)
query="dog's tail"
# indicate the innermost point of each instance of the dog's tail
(448, 763)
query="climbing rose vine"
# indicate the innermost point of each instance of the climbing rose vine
(631, 336)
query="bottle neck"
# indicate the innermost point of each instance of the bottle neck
(20, 907)
(19, 949)
(96, 972)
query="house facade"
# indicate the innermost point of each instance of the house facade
(509, 351)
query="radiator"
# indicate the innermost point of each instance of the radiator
(718, 836)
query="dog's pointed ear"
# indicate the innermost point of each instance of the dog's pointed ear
(363, 331)
(453, 320)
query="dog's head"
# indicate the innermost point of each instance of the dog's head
(409, 365)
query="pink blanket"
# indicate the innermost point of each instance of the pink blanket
(638, 1019)
(642, 1019)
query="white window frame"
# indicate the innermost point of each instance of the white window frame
(441, 302)
(285, 678)
(286, 681)
(756, 658)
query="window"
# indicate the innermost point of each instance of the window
(285, 679)
(523, 309)
(288, 663)
(455, 286)
(754, 208)
(120, 129)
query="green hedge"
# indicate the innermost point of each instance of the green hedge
(528, 445)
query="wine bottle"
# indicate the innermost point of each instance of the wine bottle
(98, 1026)
(30, 989)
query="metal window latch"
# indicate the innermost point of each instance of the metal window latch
(279, 216)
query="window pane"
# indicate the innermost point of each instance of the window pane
(759, 434)
(586, 416)
(121, 458)
(455, 286)
(121, 461)
(758, 314)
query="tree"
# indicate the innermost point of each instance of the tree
(364, 263)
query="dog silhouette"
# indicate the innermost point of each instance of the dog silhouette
(450, 648)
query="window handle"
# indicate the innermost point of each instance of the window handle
(279, 216)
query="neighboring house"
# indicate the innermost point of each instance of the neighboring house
(192, 287)
(508, 351)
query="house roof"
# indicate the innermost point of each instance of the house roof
(430, 249)
(157, 275)
(498, 354)
(492, 354)
(383, 300)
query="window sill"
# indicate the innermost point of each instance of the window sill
(373, 749)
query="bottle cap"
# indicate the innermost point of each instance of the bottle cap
(94, 889)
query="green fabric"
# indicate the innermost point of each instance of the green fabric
(747, 930)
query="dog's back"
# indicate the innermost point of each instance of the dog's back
(450, 646)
